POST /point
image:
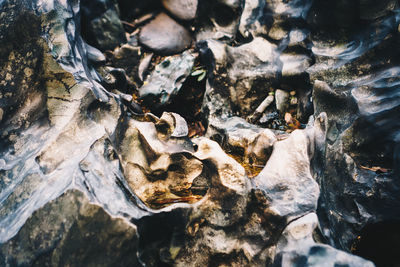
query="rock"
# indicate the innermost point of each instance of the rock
(281, 101)
(144, 65)
(253, 21)
(219, 19)
(296, 246)
(278, 31)
(106, 30)
(127, 57)
(241, 138)
(165, 36)
(237, 86)
(297, 37)
(164, 83)
(94, 55)
(282, 181)
(157, 160)
(294, 64)
(76, 232)
(182, 9)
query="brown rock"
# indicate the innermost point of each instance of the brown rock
(164, 35)
(182, 9)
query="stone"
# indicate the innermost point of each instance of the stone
(75, 232)
(253, 21)
(164, 83)
(182, 9)
(239, 84)
(127, 57)
(157, 161)
(281, 101)
(294, 64)
(296, 246)
(219, 19)
(107, 30)
(165, 36)
(282, 181)
(94, 55)
(238, 137)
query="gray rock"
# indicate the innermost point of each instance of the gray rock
(281, 101)
(73, 232)
(164, 83)
(218, 19)
(94, 55)
(182, 9)
(252, 69)
(296, 247)
(253, 21)
(163, 35)
(107, 30)
(294, 64)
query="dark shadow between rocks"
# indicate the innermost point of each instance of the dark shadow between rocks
(380, 243)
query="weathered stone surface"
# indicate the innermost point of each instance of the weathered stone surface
(281, 101)
(71, 231)
(164, 35)
(218, 19)
(241, 138)
(191, 203)
(182, 9)
(164, 83)
(237, 86)
(296, 247)
(101, 24)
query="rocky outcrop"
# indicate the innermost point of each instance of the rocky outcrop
(90, 177)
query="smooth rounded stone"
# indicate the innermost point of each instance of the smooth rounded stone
(182, 9)
(298, 37)
(281, 101)
(94, 55)
(164, 35)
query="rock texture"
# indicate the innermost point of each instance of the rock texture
(89, 177)
(182, 9)
(164, 35)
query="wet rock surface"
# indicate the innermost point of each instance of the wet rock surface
(273, 138)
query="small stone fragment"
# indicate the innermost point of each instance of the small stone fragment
(281, 100)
